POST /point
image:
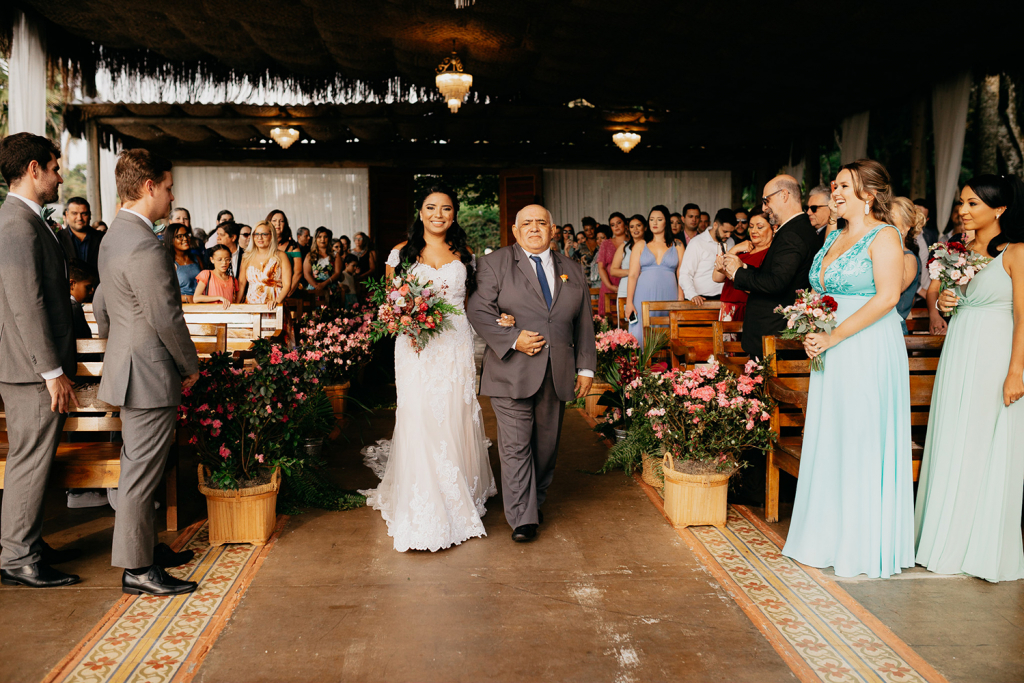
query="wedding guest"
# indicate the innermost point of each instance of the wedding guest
(818, 211)
(266, 269)
(229, 235)
(605, 256)
(569, 242)
(742, 223)
(954, 226)
(705, 221)
(321, 268)
(100, 226)
(289, 247)
(80, 241)
(698, 266)
(967, 518)
(930, 231)
(620, 263)
(601, 235)
(244, 235)
(367, 255)
(349, 288)
(653, 269)
(784, 268)
(675, 222)
(83, 283)
(583, 253)
(854, 507)
(691, 223)
(223, 216)
(186, 266)
(590, 234)
(304, 238)
(218, 284)
(555, 244)
(181, 215)
(909, 220)
(346, 245)
(751, 252)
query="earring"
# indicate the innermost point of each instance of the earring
(867, 208)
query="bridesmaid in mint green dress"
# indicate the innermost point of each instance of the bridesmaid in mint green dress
(854, 507)
(972, 476)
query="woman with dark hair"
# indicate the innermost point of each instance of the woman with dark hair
(605, 256)
(751, 251)
(653, 268)
(186, 265)
(322, 267)
(292, 250)
(620, 262)
(969, 493)
(435, 472)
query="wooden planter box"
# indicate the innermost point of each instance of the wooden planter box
(597, 390)
(243, 515)
(337, 393)
(695, 500)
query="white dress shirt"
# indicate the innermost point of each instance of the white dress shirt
(547, 264)
(38, 210)
(699, 264)
(136, 213)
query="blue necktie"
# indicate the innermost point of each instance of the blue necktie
(543, 281)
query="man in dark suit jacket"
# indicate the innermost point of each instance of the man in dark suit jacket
(37, 355)
(785, 267)
(79, 239)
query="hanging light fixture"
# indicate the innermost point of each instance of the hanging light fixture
(284, 136)
(463, 4)
(453, 82)
(626, 140)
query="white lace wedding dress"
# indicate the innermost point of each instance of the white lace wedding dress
(435, 472)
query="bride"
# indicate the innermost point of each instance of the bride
(435, 472)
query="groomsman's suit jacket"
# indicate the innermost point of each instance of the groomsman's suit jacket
(138, 309)
(774, 283)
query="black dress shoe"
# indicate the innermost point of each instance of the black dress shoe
(524, 533)
(164, 557)
(37, 575)
(54, 556)
(540, 516)
(155, 582)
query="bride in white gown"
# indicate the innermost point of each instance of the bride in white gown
(435, 472)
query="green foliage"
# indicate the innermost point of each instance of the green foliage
(481, 225)
(627, 454)
(308, 486)
(74, 185)
(473, 188)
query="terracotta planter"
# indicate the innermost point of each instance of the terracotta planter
(695, 499)
(337, 393)
(243, 515)
(597, 390)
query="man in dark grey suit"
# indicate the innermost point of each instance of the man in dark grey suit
(37, 355)
(531, 370)
(149, 358)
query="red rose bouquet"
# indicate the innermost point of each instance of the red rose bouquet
(410, 306)
(812, 312)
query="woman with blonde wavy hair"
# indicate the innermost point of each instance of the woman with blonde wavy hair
(909, 219)
(266, 270)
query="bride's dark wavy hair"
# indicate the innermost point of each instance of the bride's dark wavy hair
(455, 238)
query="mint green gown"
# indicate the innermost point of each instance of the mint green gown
(854, 507)
(972, 476)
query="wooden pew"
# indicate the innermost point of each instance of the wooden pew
(620, 308)
(686, 342)
(595, 294)
(611, 308)
(790, 370)
(727, 347)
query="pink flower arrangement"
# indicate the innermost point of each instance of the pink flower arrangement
(954, 265)
(811, 312)
(410, 306)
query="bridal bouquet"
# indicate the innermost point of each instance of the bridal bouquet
(954, 265)
(410, 306)
(811, 312)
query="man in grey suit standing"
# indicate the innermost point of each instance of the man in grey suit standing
(531, 370)
(37, 355)
(149, 358)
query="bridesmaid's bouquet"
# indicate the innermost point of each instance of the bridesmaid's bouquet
(954, 264)
(812, 312)
(410, 306)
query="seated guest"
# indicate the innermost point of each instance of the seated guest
(321, 267)
(217, 285)
(909, 220)
(818, 212)
(80, 241)
(605, 256)
(349, 287)
(229, 235)
(267, 270)
(698, 266)
(705, 221)
(752, 253)
(186, 265)
(653, 269)
(784, 269)
(691, 223)
(83, 284)
(742, 223)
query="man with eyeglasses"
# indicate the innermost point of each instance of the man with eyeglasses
(243, 237)
(818, 212)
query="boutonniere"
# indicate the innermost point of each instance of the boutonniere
(565, 278)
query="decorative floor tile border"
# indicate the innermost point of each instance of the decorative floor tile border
(164, 639)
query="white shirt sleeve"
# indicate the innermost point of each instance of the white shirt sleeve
(52, 374)
(585, 373)
(394, 260)
(691, 259)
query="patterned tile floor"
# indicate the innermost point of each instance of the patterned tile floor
(164, 639)
(818, 629)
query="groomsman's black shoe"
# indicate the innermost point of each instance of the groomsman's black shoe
(37, 575)
(54, 556)
(164, 557)
(524, 533)
(155, 582)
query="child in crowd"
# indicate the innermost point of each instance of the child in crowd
(83, 284)
(217, 284)
(348, 280)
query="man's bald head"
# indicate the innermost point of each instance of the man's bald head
(783, 193)
(532, 208)
(533, 228)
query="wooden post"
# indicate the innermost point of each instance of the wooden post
(988, 125)
(92, 171)
(518, 188)
(918, 157)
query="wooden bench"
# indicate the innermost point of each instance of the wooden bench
(595, 296)
(790, 377)
(683, 328)
(727, 348)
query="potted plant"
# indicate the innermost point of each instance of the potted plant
(704, 418)
(640, 448)
(246, 427)
(620, 359)
(336, 341)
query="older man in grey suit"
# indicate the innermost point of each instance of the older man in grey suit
(149, 358)
(37, 355)
(531, 369)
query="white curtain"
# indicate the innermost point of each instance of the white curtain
(854, 144)
(338, 198)
(27, 97)
(949, 115)
(108, 184)
(571, 194)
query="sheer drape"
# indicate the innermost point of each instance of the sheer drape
(334, 197)
(854, 143)
(571, 194)
(949, 116)
(26, 100)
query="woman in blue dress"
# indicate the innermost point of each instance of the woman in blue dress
(854, 507)
(972, 475)
(653, 268)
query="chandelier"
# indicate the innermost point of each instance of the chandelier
(462, 4)
(626, 140)
(284, 136)
(453, 82)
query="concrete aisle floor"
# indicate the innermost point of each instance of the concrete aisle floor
(608, 592)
